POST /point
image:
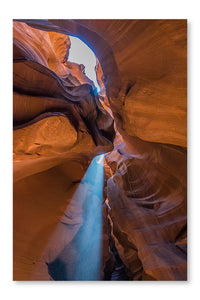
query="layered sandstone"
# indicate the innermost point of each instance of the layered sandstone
(61, 124)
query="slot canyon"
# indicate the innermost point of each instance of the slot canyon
(100, 177)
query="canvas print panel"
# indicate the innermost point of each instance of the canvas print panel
(100, 150)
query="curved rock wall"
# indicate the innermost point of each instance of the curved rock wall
(151, 71)
(142, 65)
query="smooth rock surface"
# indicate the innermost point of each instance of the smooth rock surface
(60, 124)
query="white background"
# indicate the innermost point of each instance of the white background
(106, 9)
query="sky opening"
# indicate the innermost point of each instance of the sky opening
(80, 53)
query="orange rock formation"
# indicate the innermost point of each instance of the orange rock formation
(139, 119)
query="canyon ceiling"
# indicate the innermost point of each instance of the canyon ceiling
(138, 120)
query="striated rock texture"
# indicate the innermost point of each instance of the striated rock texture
(146, 60)
(151, 193)
(60, 124)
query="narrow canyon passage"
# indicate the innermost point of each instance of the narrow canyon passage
(100, 169)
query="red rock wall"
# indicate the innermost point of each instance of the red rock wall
(145, 213)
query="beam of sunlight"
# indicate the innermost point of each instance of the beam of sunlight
(74, 251)
(80, 53)
(89, 242)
